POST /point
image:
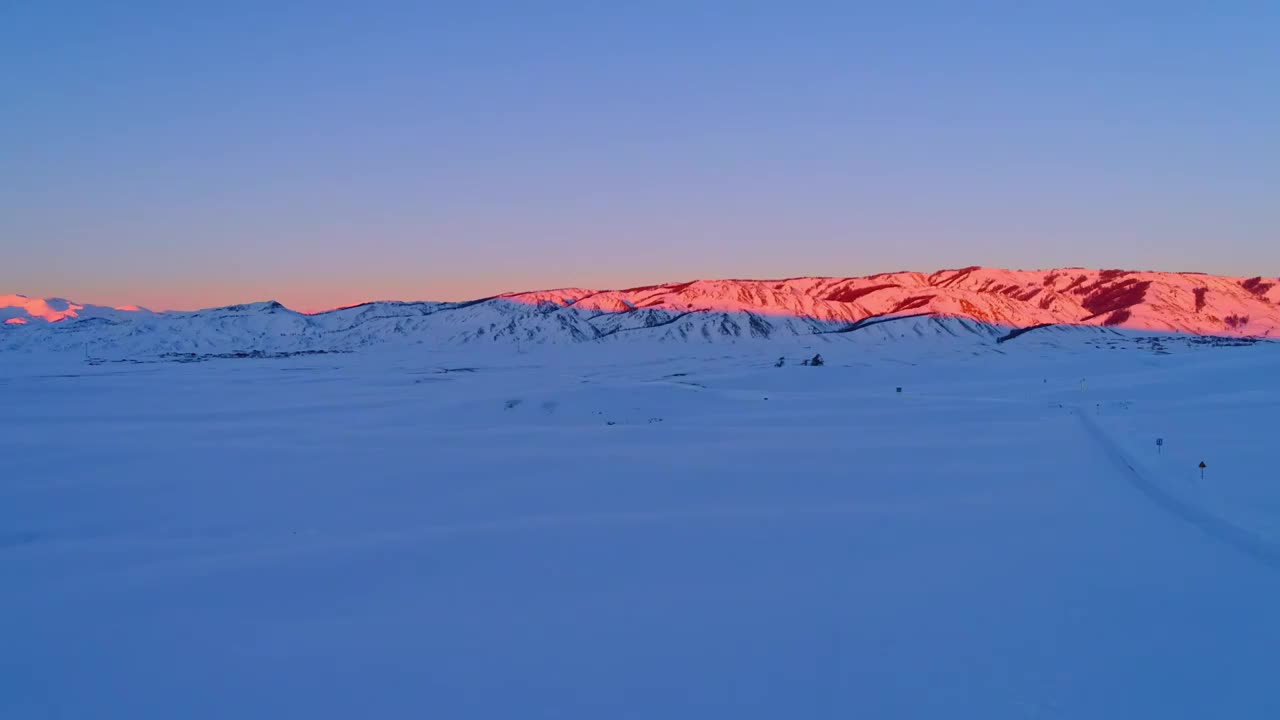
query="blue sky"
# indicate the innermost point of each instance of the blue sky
(180, 155)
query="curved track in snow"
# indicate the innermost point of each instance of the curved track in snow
(1219, 528)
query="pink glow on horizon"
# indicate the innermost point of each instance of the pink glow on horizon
(309, 296)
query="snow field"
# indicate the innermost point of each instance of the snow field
(468, 535)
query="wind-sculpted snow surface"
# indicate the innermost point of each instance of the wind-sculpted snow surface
(977, 304)
(643, 531)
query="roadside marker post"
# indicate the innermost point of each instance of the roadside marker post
(1159, 445)
(1202, 467)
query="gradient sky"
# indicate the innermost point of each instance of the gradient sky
(181, 155)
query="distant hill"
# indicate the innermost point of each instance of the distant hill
(983, 304)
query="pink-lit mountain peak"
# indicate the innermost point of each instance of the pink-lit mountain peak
(1152, 301)
(47, 309)
(20, 310)
(1160, 301)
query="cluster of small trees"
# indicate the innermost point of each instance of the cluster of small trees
(815, 361)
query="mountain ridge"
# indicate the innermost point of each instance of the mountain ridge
(975, 300)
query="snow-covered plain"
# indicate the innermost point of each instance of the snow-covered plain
(644, 532)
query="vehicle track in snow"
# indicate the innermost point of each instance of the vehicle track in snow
(1217, 527)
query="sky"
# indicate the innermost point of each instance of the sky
(180, 155)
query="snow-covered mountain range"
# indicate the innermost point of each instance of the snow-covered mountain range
(984, 305)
